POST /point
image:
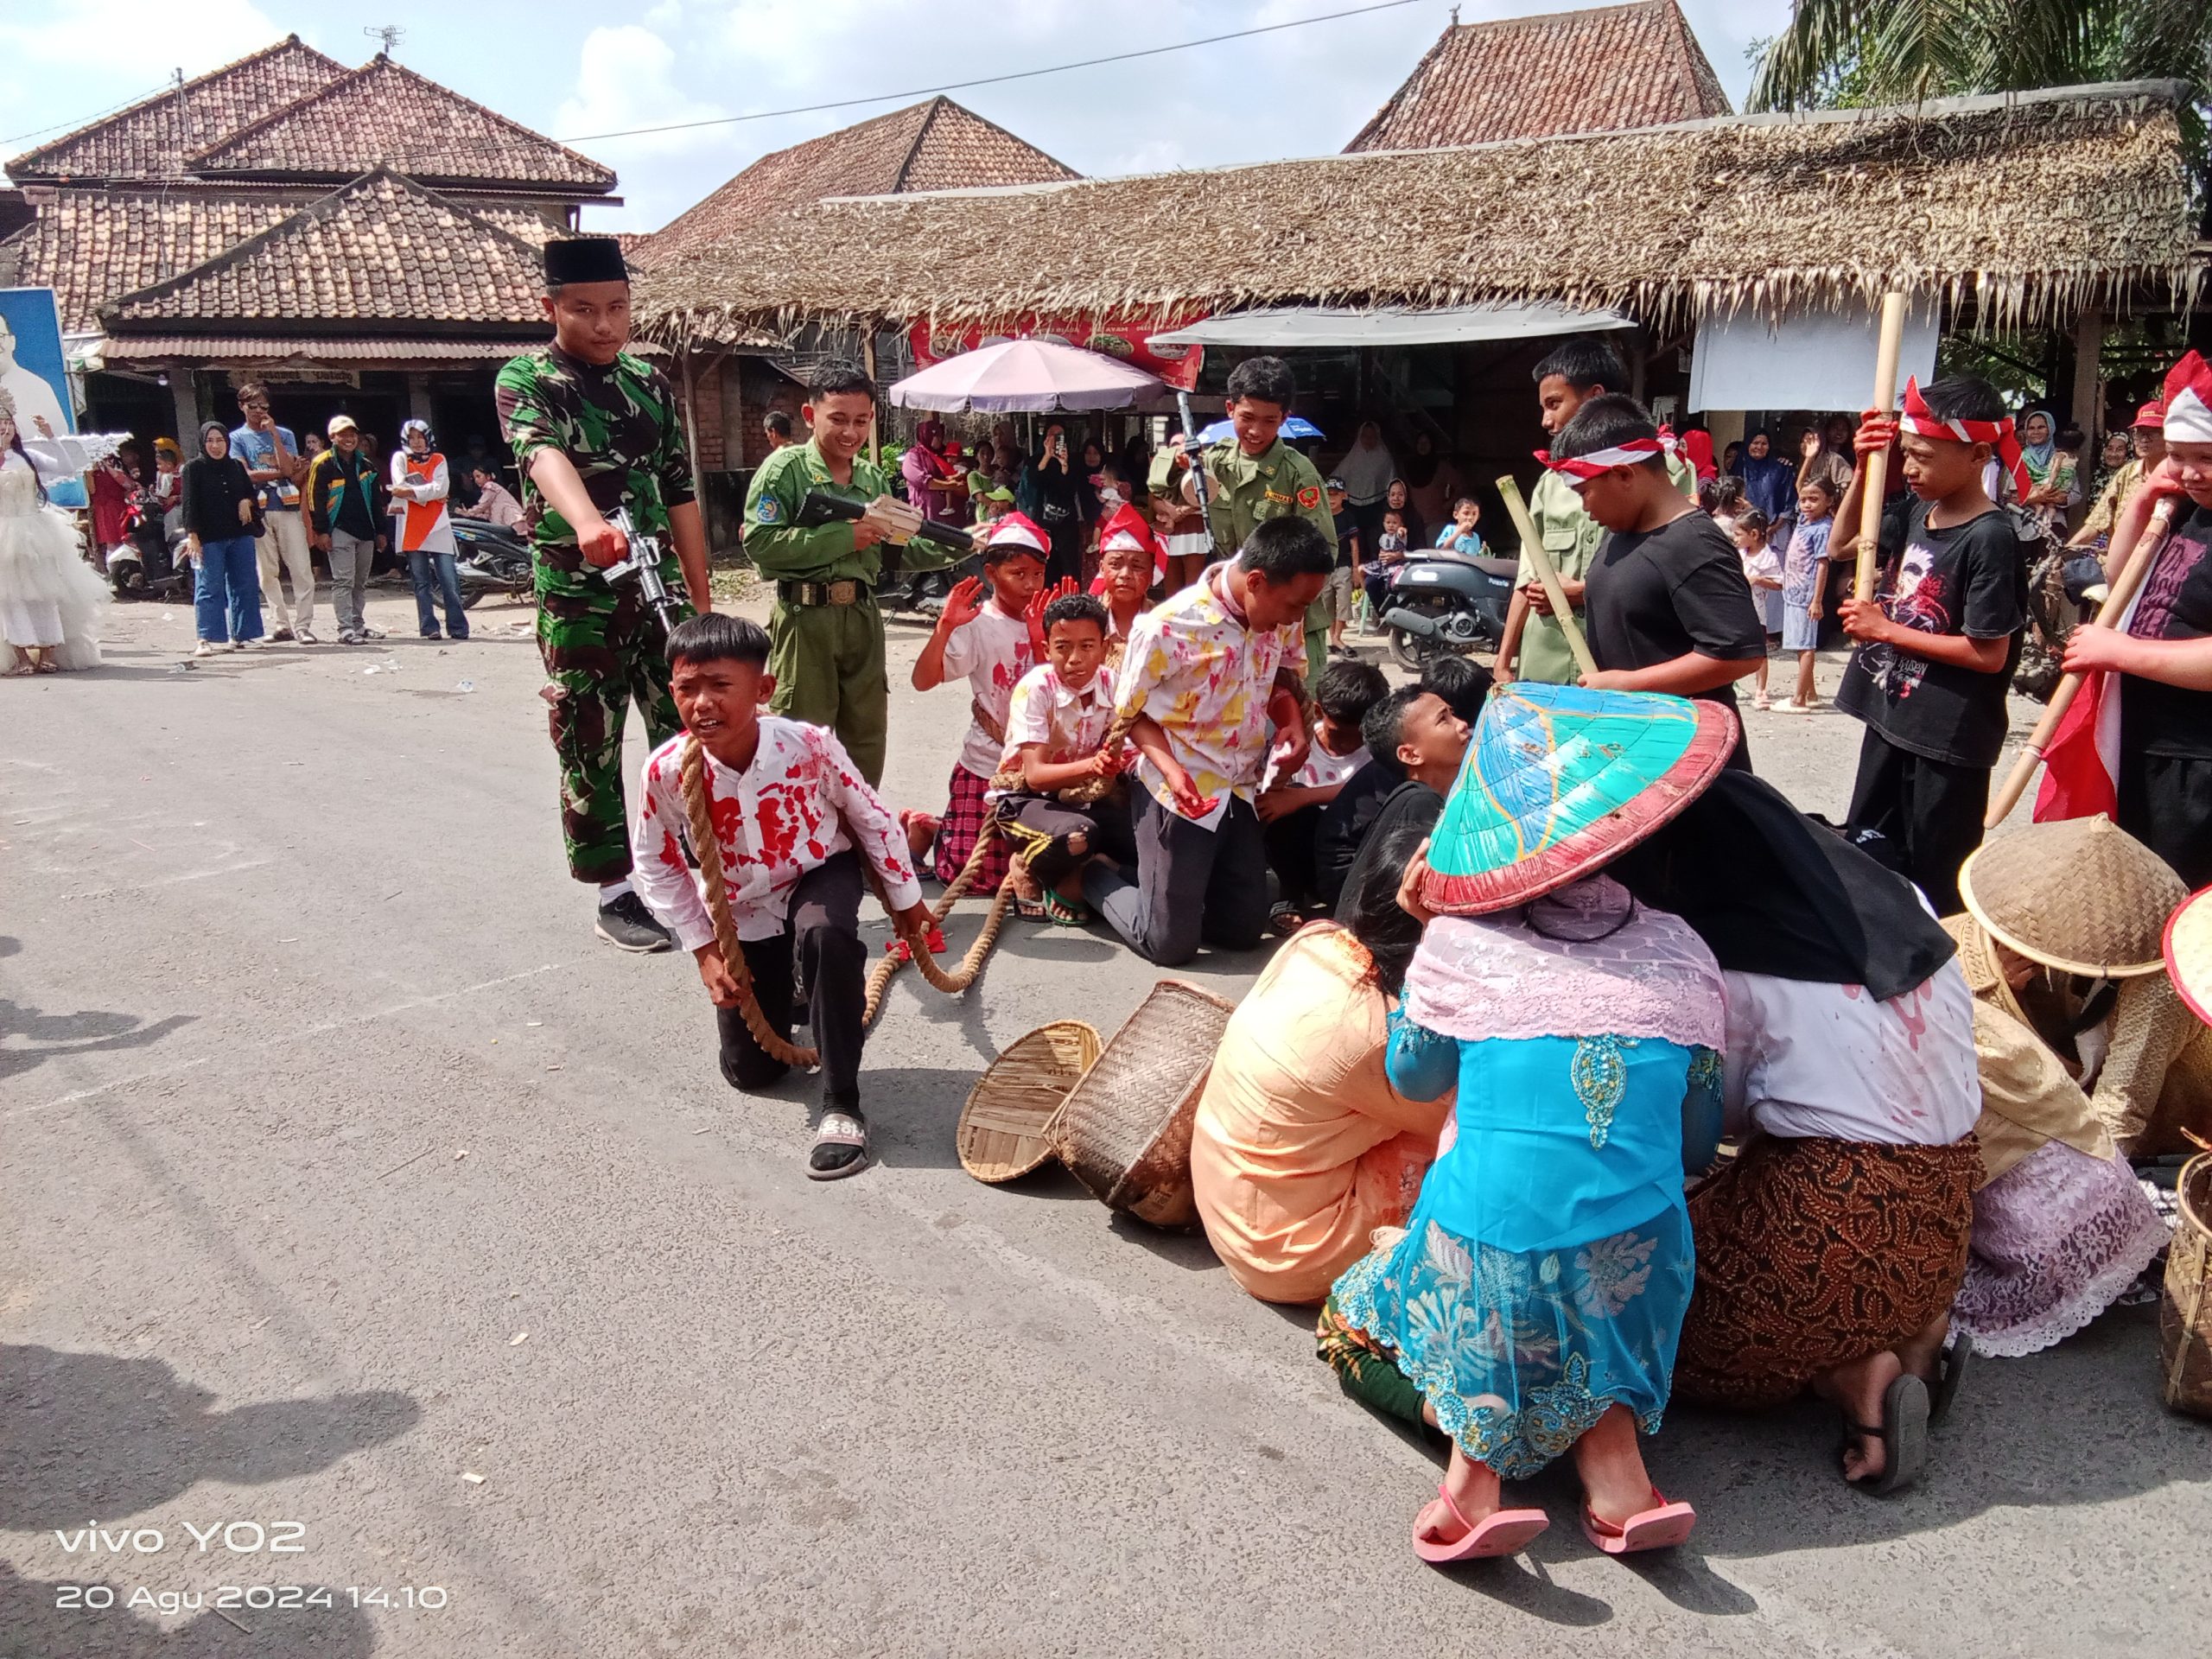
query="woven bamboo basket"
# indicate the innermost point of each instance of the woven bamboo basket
(1002, 1127)
(2185, 1314)
(1125, 1127)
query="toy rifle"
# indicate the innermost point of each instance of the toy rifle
(644, 563)
(1198, 481)
(821, 507)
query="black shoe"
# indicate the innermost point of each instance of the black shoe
(628, 925)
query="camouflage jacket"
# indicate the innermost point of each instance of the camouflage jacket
(619, 426)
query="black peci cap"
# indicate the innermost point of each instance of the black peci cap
(584, 259)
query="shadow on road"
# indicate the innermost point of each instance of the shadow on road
(28, 1038)
(86, 1437)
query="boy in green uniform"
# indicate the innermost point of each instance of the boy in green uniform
(1534, 647)
(594, 429)
(1253, 474)
(825, 633)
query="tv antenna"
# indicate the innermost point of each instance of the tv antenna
(389, 33)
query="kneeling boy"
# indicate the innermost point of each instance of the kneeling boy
(1055, 733)
(791, 821)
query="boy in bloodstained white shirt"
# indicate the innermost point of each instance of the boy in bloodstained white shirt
(793, 819)
(1055, 740)
(990, 642)
(1289, 809)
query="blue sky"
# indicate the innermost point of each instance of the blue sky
(570, 70)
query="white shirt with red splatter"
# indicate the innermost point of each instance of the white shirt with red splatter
(776, 820)
(1072, 725)
(993, 650)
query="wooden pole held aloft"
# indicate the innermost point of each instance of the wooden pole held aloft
(1548, 574)
(1878, 466)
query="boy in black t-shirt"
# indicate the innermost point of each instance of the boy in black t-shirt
(2164, 653)
(1937, 647)
(1666, 605)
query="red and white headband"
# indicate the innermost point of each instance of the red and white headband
(1634, 451)
(2189, 401)
(1016, 530)
(1921, 420)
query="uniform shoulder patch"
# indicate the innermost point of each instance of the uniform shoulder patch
(766, 509)
(1309, 496)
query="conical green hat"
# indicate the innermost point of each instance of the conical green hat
(1558, 781)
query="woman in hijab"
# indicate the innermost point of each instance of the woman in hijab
(1769, 481)
(1049, 496)
(1532, 1307)
(1829, 1249)
(1432, 480)
(216, 497)
(1399, 499)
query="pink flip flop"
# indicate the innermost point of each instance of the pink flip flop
(1661, 1527)
(1502, 1534)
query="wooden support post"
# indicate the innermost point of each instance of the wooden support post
(184, 395)
(2089, 408)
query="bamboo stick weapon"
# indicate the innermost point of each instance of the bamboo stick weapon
(1548, 574)
(2124, 586)
(1878, 465)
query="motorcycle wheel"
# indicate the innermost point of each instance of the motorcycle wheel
(1410, 651)
(468, 600)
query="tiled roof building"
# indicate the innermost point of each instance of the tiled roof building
(291, 218)
(936, 145)
(1606, 68)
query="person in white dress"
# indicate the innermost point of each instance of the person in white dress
(51, 601)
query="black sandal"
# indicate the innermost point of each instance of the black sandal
(840, 1146)
(1902, 1434)
(1950, 1370)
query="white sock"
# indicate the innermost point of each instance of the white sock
(611, 890)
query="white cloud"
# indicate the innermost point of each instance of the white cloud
(70, 63)
(625, 80)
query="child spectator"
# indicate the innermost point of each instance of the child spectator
(1291, 809)
(988, 642)
(791, 821)
(1055, 731)
(1458, 536)
(1748, 529)
(1390, 553)
(1938, 647)
(1205, 674)
(1804, 578)
(1665, 601)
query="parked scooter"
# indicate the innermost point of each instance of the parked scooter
(159, 570)
(1445, 606)
(490, 559)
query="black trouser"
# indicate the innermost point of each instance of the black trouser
(823, 923)
(1040, 825)
(1293, 853)
(2165, 803)
(1931, 811)
(1193, 884)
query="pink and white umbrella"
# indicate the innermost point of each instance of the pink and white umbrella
(1017, 375)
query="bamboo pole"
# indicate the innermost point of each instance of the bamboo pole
(1878, 465)
(2122, 593)
(1548, 574)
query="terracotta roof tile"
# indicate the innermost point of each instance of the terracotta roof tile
(1600, 70)
(383, 251)
(385, 114)
(936, 145)
(150, 139)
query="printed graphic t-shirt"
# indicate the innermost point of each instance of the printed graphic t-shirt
(1969, 579)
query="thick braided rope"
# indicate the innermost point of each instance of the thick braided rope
(971, 964)
(708, 847)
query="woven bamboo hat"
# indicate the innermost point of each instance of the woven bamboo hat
(1558, 781)
(1002, 1128)
(2080, 895)
(2189, 953)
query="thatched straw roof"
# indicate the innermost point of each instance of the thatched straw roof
(2019, 209)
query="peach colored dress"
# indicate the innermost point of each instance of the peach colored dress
(1301, 1147)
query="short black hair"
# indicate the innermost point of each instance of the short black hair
(1379, 731)
(1285, 549)
(1583, 362)
(2071, 437)
(1264, 380)
(776, 422)
(1461, 683)
(1606, 422)
(1752, 519)
(1346, 691)
(1963, 398)
(1371, 910)
(834, 375)
(1075, 608)
(1459, 501)
(718, 637)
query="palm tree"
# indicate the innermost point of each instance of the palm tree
(1873, 52)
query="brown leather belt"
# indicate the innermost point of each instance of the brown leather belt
(846, 592)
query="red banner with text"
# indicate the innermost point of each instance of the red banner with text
(1131, 342)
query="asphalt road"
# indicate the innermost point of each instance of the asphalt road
(340, 1166)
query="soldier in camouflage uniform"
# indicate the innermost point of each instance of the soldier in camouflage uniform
(825, 633)
(595, 428)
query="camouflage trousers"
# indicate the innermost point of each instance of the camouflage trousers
(601, 654)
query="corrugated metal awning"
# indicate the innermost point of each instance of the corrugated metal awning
(147, 348)
(1291, 326)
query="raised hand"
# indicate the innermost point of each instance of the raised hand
(963, 605)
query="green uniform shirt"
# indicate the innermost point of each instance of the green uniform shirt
(618, 427)
(1571, 536)
(1245, 489)
(782, 552)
